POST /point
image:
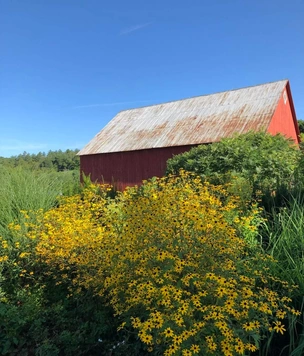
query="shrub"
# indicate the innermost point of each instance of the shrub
(41, 311)
(171, 260)
(265, 161)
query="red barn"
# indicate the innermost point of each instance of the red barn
(136, 144)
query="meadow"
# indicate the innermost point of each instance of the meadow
(207, 260)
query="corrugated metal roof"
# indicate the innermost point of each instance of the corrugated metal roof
(201, 119)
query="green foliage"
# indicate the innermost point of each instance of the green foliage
(52, 322)
(54, 160)
(301, 141)
(284, 232)
(171, 259)
(41, 311)
(32, 182)
(265, 161)
(301, 126)
(23, 189)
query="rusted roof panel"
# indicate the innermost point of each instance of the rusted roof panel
(201, 119)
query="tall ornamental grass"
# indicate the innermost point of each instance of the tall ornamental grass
(285, 242)
(25, 190)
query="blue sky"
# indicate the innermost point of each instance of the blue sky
(67, 67)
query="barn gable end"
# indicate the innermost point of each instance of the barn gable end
(284, 120)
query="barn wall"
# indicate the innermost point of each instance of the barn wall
(284, 120)
(128, 168)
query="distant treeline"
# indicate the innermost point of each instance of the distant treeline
(54, 160)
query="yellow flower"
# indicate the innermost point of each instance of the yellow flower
(145, 338)
(249, 326)
(279, 327)
(169, 253)
(251, 347)
(281, 314)
(239, 347)
(168, 332)
(3, 258)
(195, 349)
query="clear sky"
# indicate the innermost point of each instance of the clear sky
(67, 67)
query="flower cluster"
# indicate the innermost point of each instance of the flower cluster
(172, 260)
(182, 274)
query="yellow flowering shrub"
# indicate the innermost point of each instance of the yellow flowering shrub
(71, 235)
(171, 258)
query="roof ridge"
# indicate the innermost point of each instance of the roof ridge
(199, 96)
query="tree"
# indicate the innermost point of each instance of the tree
(55, 160)
(301, 126)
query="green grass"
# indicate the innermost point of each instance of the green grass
(284, 234)
(22, 189)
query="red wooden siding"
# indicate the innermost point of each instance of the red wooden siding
(283, 120)
(128, 168)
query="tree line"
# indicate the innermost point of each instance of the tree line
(58, 161)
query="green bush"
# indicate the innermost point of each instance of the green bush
(172, 260)
(265, 161)
(41, 311)
(34, 323)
